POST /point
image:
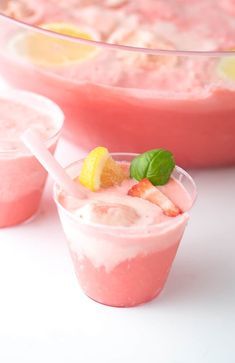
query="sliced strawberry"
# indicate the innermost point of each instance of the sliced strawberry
(145, 189)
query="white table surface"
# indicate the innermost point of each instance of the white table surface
(45, 318)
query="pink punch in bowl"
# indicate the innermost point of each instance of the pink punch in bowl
(147, 80)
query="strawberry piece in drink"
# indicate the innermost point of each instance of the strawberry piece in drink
(146, 190)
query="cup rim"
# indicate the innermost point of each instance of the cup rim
(7, 94)
(101, 44)
(98, 226)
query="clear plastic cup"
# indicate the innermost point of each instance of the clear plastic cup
(22, 178)
(128, 98)
(121, 266)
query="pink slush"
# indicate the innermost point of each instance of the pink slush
(22, 178)
(102, 115)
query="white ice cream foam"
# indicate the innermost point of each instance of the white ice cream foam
(139, 211)
(113, 214)
(108, 246)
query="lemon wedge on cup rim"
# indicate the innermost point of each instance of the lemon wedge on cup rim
(226, 67)
(100, 170)
(51, 51)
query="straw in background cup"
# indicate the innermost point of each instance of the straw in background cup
(34, 142)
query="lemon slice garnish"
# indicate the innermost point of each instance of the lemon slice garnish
(100, 170)
(45, 50)
(226, 68)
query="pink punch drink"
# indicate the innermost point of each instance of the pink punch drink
(22, 178)
(122, 246)
(151, 71)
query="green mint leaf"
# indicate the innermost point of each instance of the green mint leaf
(155, 165)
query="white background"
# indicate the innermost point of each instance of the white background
(45, 318)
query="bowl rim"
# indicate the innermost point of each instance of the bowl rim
(101, 44)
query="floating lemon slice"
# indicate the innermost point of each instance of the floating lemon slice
(226, 67)
(100, 170)
(45, 50)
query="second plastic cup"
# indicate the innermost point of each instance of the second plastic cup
(121, 266)
(22, 177)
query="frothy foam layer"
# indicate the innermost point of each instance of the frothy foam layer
(16, 117)
(108, 248)
(113, 206)
(142, 228)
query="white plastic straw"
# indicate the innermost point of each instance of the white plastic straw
(34, 142)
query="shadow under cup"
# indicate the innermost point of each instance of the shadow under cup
(22, 178)
(123, 266)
